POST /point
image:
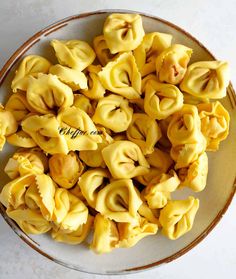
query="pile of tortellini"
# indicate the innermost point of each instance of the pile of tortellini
(107, 134)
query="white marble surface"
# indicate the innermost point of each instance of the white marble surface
(213, 23)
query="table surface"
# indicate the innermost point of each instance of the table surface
(213, 23)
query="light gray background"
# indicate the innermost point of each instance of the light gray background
(214, 24)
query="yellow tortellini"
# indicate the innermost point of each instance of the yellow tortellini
(8, 125)
(95, 89)
(31, 65)
(82, 102)
(146, 53)
(113, 112)
(214, 123)
(124, 159)
(21, 139)
(122, 76)
(171, 64)
(46, 93)
(75, 79)
(73, 53)
(206, 79)
(195, 176)
(123, 32)
(177, 217)
(157, 193)
(119, 201)
(161, 100)
(65, 170)
(144, 131)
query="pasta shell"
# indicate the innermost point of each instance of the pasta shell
(124, 159)
(171, 64)
(146, 53)
(113, 112)
(177, 217)
(123, 32)
(73, 53)
(206, 79)
(119, 201)
(122, 77)
(31, 65)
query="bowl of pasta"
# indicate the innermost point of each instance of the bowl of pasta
(116, 142)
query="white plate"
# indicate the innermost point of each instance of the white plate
(214, 200)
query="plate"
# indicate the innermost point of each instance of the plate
(153, 250)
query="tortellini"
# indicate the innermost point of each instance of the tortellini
(46, 93)
(214, 123)
(119, 201)
(144, 131)
(124, 159)
(122, 77)
(113, 112)
(177, 217)
(82, 102)
(21, 139)
(161, 100)
(73, 53)
(123, 32)
(65, 170)
(31, 65)
(146, 53)
(206, 79)
(171, 64)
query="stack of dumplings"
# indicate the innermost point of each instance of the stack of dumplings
(107, 135)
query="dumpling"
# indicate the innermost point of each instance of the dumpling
(161, 100)
(171, 64)
(157, 193)
(214, 123)
(31, 65)
(73, 53)
(122, 77)
(160, 160)
(47, 93)
(146, 53)
(185, 126)
(177, 217)
(74, 237)
(91, 182)
(82, 102)
(26, 161)
(146, 80)
(119, 201)
(147, 178)
(21, 139)
(8, 125)
(123, 32)
(131, 233)
(113, 112)
(106, 235)
(195, 176)
(65, 170)
(144, 131)
(164, 142)
(78, 129)
(95, 88)
(45, 132)
(124, 159)
(102, 51)
(206, 79)
(73, 78)
(149, 214)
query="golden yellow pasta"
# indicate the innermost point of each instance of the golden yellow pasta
(123, 32)
(171, 64)
(161, 100)
(82, 102)
(21, 139)
(206, 79)
(148, 213)
(160, 160)
(124, 159)
(147, 178)
(31, 65)
(146, 53)
(214, 123)
(73, 53)
(113, 112)
(144, 131)
(122, 76)
(119, 201)
(177, 217)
